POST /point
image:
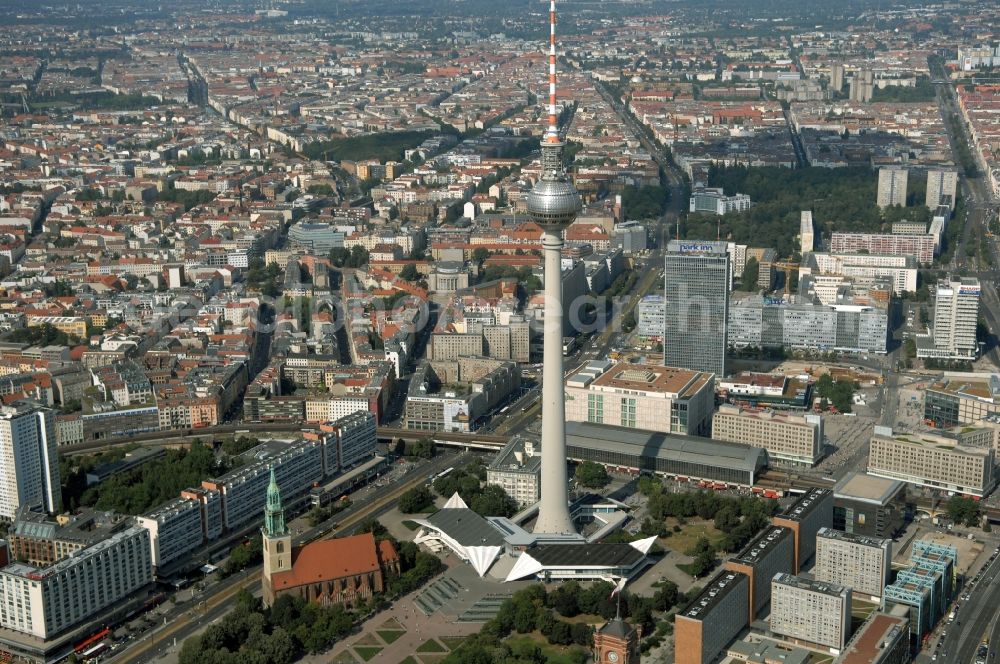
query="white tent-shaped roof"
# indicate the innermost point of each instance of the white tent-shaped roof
(469, 535)
(455, 503)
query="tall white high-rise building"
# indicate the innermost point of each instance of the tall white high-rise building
(942, 186)
(956, 312)
(807, 238)
(892, 186)
(29, 465)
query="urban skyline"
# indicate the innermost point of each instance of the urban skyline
(439, 332)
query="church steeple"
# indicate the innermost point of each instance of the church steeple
(274, 513)
(277, 540)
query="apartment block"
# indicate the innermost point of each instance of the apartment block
(864, 269)
(713, 619)
(175, 530)
(794, 439)
(770, 552)
(807, 234)
(46, 602)
(355, 437)
(640, 396)
(935, 461)
(30, 463)
(892, 186)
(942, 187)
(649, 314)
(859, 562)
(517, 469)
(920, 247)
(811, 612)
(296, 466)
(712, 200)
(805, 517)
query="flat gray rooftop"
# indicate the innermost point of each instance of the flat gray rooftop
(676, 447)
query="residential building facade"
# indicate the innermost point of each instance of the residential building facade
(28, 448)
(859, 562)
(814, 612)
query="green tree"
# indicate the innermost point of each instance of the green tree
(425, 448)
(963, 510)
(480, 254)
(418, 499)
(494, 501)
(591, 475)
(409, 272)
(704, 557)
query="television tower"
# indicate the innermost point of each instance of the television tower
(553, 204)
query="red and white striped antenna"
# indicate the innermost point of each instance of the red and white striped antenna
(552, 134)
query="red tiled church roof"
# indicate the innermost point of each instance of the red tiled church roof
(334, 559)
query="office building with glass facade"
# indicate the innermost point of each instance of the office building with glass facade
(696, 288)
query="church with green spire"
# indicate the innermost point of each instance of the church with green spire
(342, 570)
(274, 513)
(277, 540)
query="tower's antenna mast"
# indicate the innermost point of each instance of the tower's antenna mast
(552, 134)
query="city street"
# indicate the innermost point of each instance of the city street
(975, 620)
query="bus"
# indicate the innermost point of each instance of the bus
(94, 651)
(570, 344)
(84, 645)
(443, 473)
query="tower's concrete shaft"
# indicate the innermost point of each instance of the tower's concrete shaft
(553, 512)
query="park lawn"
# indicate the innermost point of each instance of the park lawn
(344, 658)
(367, 653)
(432, 657)
(393, 625)
(587, 618)
(452, 642)
(368, 639)
(411, 525)
(553, 654)
(685, 540)
(687, 568)
(430, 645)
(389, 635)
(409, 660)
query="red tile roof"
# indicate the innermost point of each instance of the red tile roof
(330, 559)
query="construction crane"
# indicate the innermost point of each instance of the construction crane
(788, 268)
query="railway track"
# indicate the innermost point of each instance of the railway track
(187, 436)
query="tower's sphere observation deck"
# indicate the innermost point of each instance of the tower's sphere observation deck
(553, 202)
